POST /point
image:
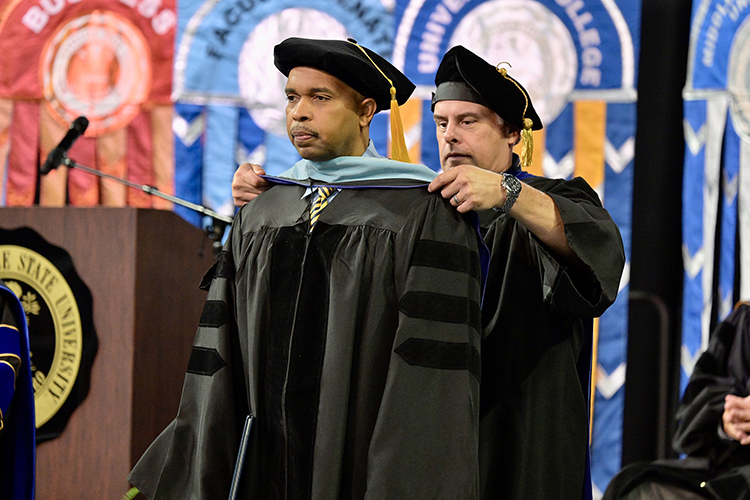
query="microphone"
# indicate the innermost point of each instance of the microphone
(55, 157)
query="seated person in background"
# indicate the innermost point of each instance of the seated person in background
(713, 427)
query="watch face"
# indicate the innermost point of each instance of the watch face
(512, 189)
(511, 184)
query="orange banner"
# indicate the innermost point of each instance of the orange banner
(110, 61)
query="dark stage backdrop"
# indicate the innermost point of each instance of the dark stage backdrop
(652, 388)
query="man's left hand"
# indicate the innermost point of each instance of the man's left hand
(470, 188)
(247, 183)
(736, 418)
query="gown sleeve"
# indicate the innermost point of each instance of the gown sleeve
(194, 457)
(588, 289)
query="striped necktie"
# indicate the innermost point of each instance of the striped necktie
(320, 203)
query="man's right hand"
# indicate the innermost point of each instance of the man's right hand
(736, 418)
(247, 183)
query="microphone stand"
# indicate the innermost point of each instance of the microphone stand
(219, 222)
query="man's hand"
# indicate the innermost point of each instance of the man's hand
(470, 188)
(247, 183)
(736, 418)
(473, 188)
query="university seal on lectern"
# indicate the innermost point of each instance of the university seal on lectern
(59, 315)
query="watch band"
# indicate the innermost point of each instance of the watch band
(512, 190)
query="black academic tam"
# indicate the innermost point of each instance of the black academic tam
(500, 92)
(351, 63)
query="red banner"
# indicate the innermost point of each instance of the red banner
(23, 160)
(108, 60)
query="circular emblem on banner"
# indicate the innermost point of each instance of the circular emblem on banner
(264, 97)
(533, 40)
(99, 66)
(58, 314)
(738, 81)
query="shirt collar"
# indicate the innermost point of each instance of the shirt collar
(370, 152)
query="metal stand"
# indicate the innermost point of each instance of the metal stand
(219, 222)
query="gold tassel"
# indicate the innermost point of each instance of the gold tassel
(527, 150)
(398, 142)
(399, 152)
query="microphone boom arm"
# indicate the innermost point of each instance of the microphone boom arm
(150, 190)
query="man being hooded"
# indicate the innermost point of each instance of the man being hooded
(343, 314)
(556, 262)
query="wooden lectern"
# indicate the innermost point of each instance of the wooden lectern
(143, 268)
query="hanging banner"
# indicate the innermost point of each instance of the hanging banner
(224, 62)
(556, 46)
(110, 61)
(717, 140)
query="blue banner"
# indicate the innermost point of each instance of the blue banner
(224, 60)
(187, 126)
(565, 44)
(714, 26)
(717, 131)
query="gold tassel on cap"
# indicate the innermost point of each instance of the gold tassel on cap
(398, 142)
(527, 150)
(399, 152)
(527, 135)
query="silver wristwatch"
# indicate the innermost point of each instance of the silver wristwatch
(512, 190)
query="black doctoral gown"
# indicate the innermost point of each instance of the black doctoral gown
(537, 340)
(356, 347)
